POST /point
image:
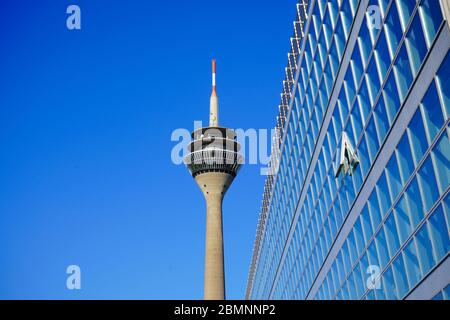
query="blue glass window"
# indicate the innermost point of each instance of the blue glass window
(343, 107)
(359, 236)
(372, 254)
(365, 45)
(383, 195)
(349, 87)
(447, 209)
(433, 117)
(382, 56)
(402, 217)
(405, 7)
(444, 80)
(401, 282)
(374, 210)
(424, 249)
(415, 203)
(432, 16)
(346, 258)
(391, 97)
(441, 156)
(439, 296)
(417, 136)
(353, 295)
(361, 275)
(367, 226)
(415, 42)
(403, 73)
(412, 264)
(383, 252)
(389, 285)
(364, 102)
(346, 16)
(357, 67)
(384, 5)
(373, 81)
(381, 120)
(351, 241)
(428, 186)
(357, 123)
(393, 174)
(404, 157)
(392, 235)
(393, 32)
(447, 292)
(364, 157)
(439, 234)
(339, 38)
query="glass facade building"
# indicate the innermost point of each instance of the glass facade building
(378, 71)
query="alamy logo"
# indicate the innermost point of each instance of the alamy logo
(74, 279)
(374, 17)
(373, 282)
(73, 21)
(255, 146)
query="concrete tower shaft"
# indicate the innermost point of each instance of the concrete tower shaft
(214, 186)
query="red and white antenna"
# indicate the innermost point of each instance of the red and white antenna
(214, 101)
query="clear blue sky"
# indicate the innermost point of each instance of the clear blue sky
(86, 118)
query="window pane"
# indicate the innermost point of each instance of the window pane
(357, 67)
(393, 32)
(372, 140)
(433, 118)
(367, 226)
(402, 217)
(428, 186)
(383, 252)
(372, 254)
(357, 122)
(392, 235)
(374, 210)
(373, 81)
(415, 42)
(417, 136)
(389, 285)
(441, 156)
(447, 292)
(403, 73)
(401, 282)
(383, 195)
(424, 249)
(382, 56)
(365, 45)
(412, 264)
(444, 80)
(352, 247)
(438, 297)
(364, 156)
(364, 102)
(405, 7)
(439, 234)
(431, 14)
(381, 120)
(359, 236)
(404, 158)
(393, 174)
(349, 87)
(391, 97)
(415, 204)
